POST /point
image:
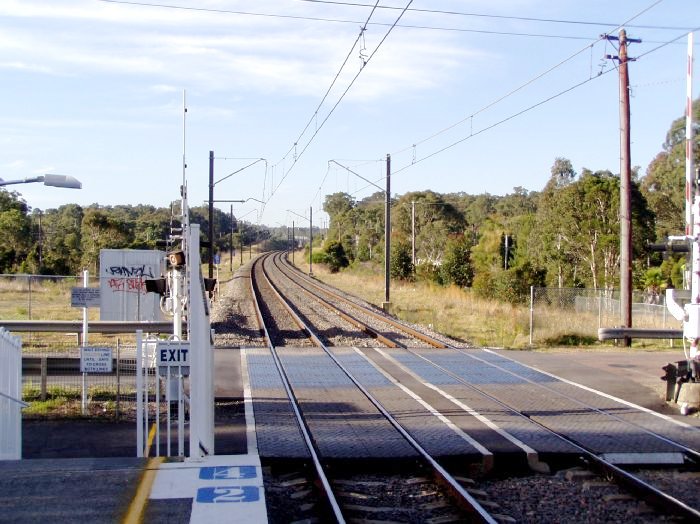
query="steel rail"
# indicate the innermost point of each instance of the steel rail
(342, 314)
(686, 449)
(383, 318)
(645, 490)
(464, 499)
(294, 402)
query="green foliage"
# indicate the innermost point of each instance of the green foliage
(456, 266)
(429, 272)
(317, 257)
(401, 263)
(511, 286)
(335, 257)
(15, 231)
(664, 183)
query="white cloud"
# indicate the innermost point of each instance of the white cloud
(216, 52)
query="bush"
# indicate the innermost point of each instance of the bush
(335, 257)
(401, 261)
(429, 272)
(456, 267)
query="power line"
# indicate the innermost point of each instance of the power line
(341, 98)
(330, 87)
(380, 24)
(533, 106)
(501, 17)
(522, 86)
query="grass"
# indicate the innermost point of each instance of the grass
(65, 402)
(459, 314)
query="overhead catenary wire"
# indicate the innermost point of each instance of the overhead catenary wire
(352, 82)
(525, 110)
(533, 106)
(522, 86)
(330, 87)
(499, 17)
(387, 24)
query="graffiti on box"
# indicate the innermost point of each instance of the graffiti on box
(128, 279)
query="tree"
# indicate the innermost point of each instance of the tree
(664, 184)
(401, 263)
(335, 256)
(15, 231)
(456, 267)
(100, 230)
(435, 220)
(61, 240)
(578, 227)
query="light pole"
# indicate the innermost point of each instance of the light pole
(212, 183)
(48, 180)
(387, 225)
(212, 230)
(311, 237)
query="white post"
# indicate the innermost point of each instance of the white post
(139, 394)
(532, 311)
(83, 403)
(177, 277)
(201, 369)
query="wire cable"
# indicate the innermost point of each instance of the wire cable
(352, 82)
(384, 24)
(521, 86)
(501, 17)
(533, 106)
(337, 75)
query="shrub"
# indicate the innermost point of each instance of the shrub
(401, 263)
(335, 257)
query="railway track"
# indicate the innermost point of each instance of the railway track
(294, 321)
(450, 487)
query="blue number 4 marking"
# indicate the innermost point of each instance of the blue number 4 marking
(228, 472)
(228, 494)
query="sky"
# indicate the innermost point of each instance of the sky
(471, 96)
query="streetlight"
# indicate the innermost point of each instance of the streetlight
(387, 224)
(212, 228)
(212, 183)
(48, 180)
(311, 236)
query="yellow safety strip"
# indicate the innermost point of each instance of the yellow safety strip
(138, 505)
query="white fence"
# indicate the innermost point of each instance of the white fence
(10, 396)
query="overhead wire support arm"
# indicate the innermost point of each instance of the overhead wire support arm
(356, 174)
(241, 169)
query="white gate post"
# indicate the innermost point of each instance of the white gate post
(202, 368)
(10, 396)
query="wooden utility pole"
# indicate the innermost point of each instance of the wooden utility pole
(311, 240)
(625, 185)
(211, 214)
(387, 235)
(413, 233)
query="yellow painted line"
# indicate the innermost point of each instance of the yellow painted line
(151, 436)
(136, 509)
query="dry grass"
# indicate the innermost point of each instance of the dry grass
(452, 311)
(459, 314)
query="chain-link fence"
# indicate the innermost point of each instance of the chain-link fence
(30, 297)
(562, 314)
(47, 377)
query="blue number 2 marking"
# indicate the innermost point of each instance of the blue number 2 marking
(228, 494)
